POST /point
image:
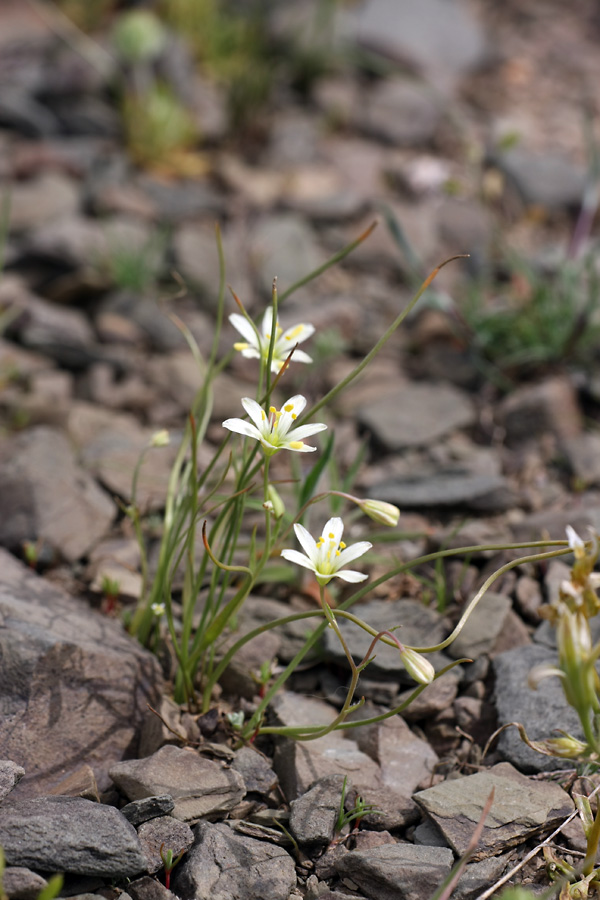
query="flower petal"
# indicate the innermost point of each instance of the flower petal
(353, 552)
(301, 356)
(300, 447)
(306, 541)
(244, 327)
(350, 575)
(250, 353)
(298, 402)
(333, 530)
(299, 558)
(241, 427)
(304, 431)
(267, 322)
(297, 334)
(255, 411)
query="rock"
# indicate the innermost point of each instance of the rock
(10, 775)
(299, 763)
(47, 496)
(146, 888)
(110, 446)
(517, 702)
(42, 199)
(528, 597)
(551, 523)
(439, 695)
(420, 627)
(404, 759)
(181, 200)
(483, 627)
(81, 783)
(165, 832)
(74, 685)
(583, 455)
(368, 840)
(479, 875)
(200, 787)
(548, 407)
(429, 835)
(283, 246)
(139, 811)
(197, 258)
(20, 883)
(397, 871)
(401, 112)
(546, 180)
(428, 487)
(522, 808)
(258, 775)
(314, 814)
(222, 865)
(440, 39)
(417, 415)
(70, 835)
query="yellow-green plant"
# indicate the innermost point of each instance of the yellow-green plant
(238, 479)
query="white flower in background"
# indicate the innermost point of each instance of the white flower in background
(327, 556)
(274, 429)
(158, 609)
(256, 343)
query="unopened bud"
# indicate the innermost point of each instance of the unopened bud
(566, 747)
(160, 438)
(417, 666)
(380, 511)
(277, 504)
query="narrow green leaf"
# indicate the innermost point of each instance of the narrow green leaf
(310, 484)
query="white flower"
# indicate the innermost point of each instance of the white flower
(575, 542)
(329, 554)
(256, 344)
(158, 609)
(274, 430)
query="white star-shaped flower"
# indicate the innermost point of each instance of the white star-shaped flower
(274, 429)
(327, 556)
(256, 343)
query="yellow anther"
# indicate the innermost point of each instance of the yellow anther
(272, 409)
(263, 415)
(296, 445)
(295, 333)
(240, 345)
(331, 535)
(288, 407)
(337, 552)
(342, 545)
(294, 416)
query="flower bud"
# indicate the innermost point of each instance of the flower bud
(417, 666)
(277, 504)
(160, 438)
(380, 511)
(566, 747)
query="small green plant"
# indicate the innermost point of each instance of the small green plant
(111, 589)
(348, 816)
(169, 861)
(136, 268)
(237, 557)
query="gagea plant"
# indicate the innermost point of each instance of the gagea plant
(238, 551)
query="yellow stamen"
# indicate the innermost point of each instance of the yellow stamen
(337, 552)
(240, 345)
(272, 409)
(263, 415)
(295, 333)
(289, 407)
(342, 545)
(294, 416)
(296, 445)
(331, 535)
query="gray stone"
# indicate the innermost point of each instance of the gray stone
(404, 759)
(222, 865)
(439, 695)
(479, 875)
(80, 783)
(47, 496)
(74, 685)
(299, 763)
(258, 775)
(197, 257)
(10, 775)
(283, 246)
(583, 455)
(546, 180)
(417, 415)
(165, 832)
(397, 871)
(419, 627)
(583, 514)
(457, 485)
(20, 883)
(428, 834)
(200, 787)
(441, 39)
(313, 815)
(535, 409)
(42, 199)
(139, 811)
(521, 809)
(483, 627)
(146, 888)
(70, 834)
(110, 446)
(401, 112)
(541, 711)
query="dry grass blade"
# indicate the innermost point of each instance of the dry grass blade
(445, 890)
